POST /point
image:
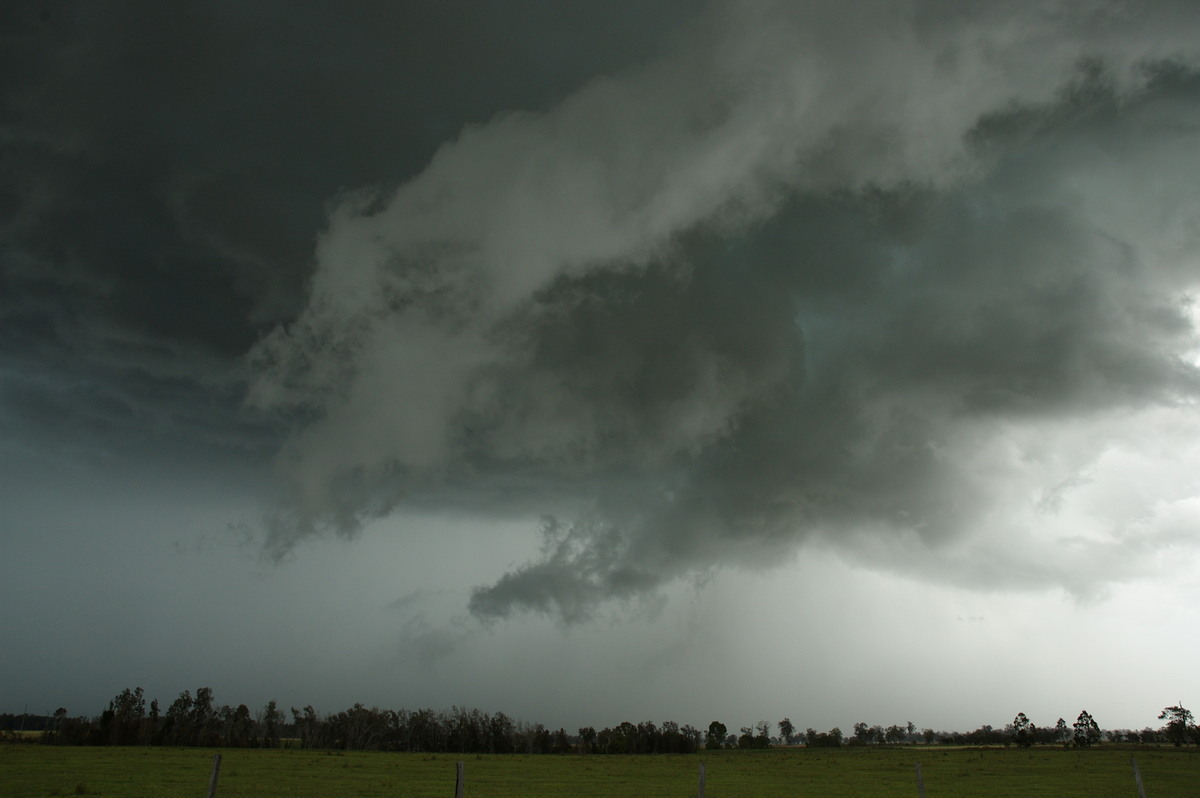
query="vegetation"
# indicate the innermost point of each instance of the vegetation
(1024, 732)
(1087, 731)
(135, 772)
(1181, 727)
(197, 721)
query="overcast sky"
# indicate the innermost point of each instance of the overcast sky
(610, 361)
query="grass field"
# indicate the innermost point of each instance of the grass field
(34, 771)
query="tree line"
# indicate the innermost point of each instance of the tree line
(196, 720)
(1084, 732)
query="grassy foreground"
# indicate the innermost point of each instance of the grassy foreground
(35, 771)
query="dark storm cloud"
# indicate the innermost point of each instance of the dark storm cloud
(697, 286)
(968, 316)
(788, 283)
(166, 169)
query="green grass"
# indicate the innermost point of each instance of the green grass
(34, 771)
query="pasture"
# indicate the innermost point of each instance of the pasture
(34, 771)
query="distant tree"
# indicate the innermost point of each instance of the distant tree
(648, 738)
(364, 729)
(787, 731)
(270, 722)
(829, 739)
(716, 735)
(500, 734)
(871, 735)
(151, 724)
(53, 733)
(1087, 731)
(588, 735)
(308, 727)
(177, 727)
(670, 739)
(1180, 724)
(894, 734)
(691, 736)
(1062, 734)
(1023, 730)
(911, 728)
(762, 736)
(929, 735)
(239, 727)
(203, 719)
(123, 718)
(539, 740)
(986, 735)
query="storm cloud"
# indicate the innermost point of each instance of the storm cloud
(888, 279)
(462, 353)
(167, 169)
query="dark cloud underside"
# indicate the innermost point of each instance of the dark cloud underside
(685, 385)
(167, 168)
(698, 285)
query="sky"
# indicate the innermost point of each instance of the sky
(594, 362)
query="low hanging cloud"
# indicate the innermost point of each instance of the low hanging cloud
(889, 279)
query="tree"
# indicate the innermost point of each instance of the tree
(1180, 726)
(691, 736)
(1061, 733)
(500, 734)
(1023, 730)
(124, 717)
(238, 726)
(647, 738)
(272, 719)
(203, 718)
(716, 735)
(829, 739)
(151, 724)
(308, 727)
(1087, 731)
(177, 729)
(670, 739)
(787, 731)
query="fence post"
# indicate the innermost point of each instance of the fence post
(459, 780)
(700, 793)
(212, 780)
(920, 782)
(1137, 777)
